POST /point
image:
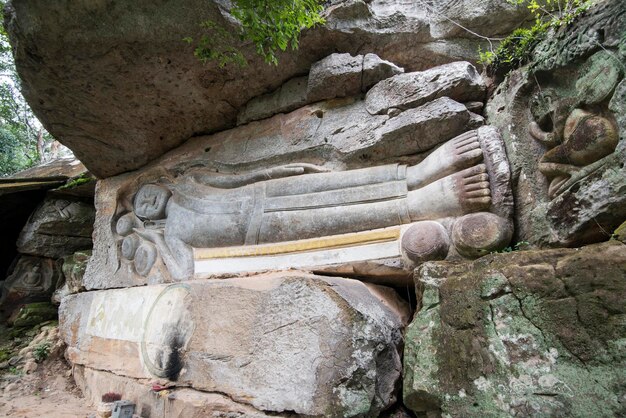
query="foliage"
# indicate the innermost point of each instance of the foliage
(5, 354)
(14, 370)
(40, 352)
(23, 141)
(77, 181)
(516, 49)
(519, 246)
(272, 26)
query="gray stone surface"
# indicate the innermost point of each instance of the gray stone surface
(528, 333)
(282, 342)
(422, 127)
(562, 122)
(338, 75)
(288, 97)
(57, 228)
(482, 17)
(74, 270)
(459, 81)
(77, 59)
(376, 69)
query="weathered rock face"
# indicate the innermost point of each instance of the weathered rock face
(284, 342)
(536, 333)
(33, 279)
(58, 228)
(61, 221)
(21, 193)
(338, 75)
(129, 58)
(73, 268)
(181, 402)
(562, 119)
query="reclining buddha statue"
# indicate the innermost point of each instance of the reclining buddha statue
(204, 209)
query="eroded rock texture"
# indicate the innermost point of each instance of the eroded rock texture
(562, 119)
(531, 333)
(116, 83)
(58, 227)
(279, 343)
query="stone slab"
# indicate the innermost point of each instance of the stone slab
(458, 80)
(173, 403)
(337, 75)
(280, 342)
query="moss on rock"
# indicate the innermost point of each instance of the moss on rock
(530, 333)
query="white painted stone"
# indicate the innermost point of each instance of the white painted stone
(216, 266)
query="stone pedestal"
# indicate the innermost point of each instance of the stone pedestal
(280, 342)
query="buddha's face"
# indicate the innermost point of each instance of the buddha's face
(151, 202)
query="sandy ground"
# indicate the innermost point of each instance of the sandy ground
(47, 392)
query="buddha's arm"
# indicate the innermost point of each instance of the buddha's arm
(231, 181)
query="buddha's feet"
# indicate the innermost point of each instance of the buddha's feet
(461, 152)
(472, 188)
(458, 194)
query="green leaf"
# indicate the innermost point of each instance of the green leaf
(272, 26)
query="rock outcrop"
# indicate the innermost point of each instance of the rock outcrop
(58, 228)
(562, 120)
(530, 333)
(297, 164)
(130, 58)
(47, 213)
(237, 205)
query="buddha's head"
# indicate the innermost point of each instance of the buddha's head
(150, 202)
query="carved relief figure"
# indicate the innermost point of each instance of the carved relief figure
(297, 201)
(578, 130)
(33, 279)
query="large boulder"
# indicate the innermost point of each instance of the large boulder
(529, 333)
(281, 342)
(116, 83)
(57, 228)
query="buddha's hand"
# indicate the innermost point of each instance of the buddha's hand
(153, 235)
